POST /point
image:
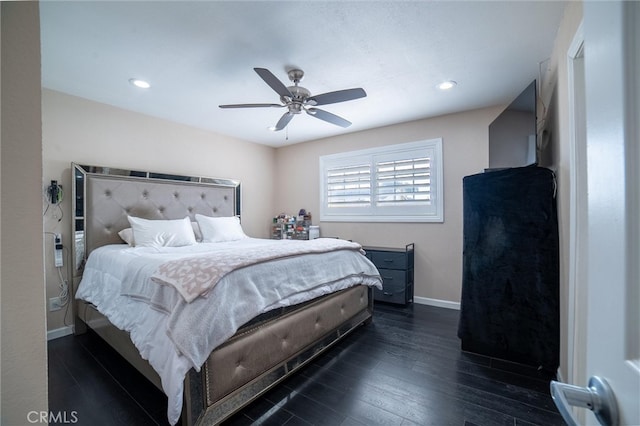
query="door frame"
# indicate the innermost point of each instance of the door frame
(576, 295)
(577, 171)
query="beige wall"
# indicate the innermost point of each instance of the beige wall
(438, 257)
(24, 352)
(75, 129)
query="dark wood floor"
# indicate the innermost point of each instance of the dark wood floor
(406, 368)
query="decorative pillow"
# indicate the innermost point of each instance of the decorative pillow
(220, 229)
(162, 233)
(127, 234)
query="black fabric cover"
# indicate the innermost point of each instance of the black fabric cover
(510, 282)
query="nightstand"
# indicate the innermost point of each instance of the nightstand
(396, 268)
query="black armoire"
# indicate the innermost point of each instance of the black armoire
(510, 282)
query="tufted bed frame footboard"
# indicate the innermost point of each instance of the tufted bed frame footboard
(263, 352)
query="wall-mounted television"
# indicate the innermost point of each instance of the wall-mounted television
(512, 135)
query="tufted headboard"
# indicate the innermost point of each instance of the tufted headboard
(103, 198)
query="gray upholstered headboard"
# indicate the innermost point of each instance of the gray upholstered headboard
(104, 197)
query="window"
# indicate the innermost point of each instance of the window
(396, 183)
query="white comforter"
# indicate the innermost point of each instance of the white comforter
(174, 335)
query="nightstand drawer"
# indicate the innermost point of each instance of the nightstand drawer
(393, 279)
(389, 259)
(395, 295)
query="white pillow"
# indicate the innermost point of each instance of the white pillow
(162, 233)
(220, 229)
(127, 234)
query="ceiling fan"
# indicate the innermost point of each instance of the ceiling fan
(297, 99)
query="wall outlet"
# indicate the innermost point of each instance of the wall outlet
(55, 304)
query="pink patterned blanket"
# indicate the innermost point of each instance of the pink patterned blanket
(196, 276)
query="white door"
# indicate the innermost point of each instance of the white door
(613, 213)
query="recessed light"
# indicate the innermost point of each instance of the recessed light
(446, 85)
(139, 83)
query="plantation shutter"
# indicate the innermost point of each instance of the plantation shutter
(395, 183)
(403, 182)
(349, 186)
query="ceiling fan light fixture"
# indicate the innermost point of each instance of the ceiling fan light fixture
(139, 83)
(446, 85)
(298, 99)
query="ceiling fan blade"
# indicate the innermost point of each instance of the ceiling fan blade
(328, 117)
(251, 106)
(273, 82)
(284, 120)
(337, 96)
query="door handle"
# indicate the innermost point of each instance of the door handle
(597, 397)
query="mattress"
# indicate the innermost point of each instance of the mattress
(175, 336)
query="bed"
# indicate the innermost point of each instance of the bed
(264, 308)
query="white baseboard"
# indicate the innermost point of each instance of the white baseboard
(436, 302)
(59, 332)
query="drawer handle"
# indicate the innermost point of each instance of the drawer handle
(387, 278)
(386, 293)
(388, 260)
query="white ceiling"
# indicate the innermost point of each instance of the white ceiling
(197, 55)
